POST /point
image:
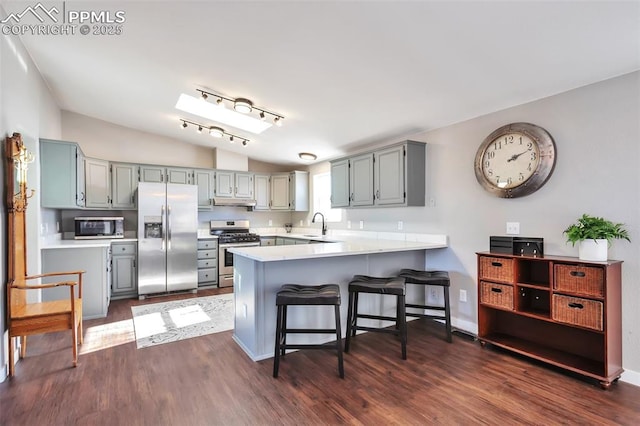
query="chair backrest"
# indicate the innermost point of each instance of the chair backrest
(16, 203)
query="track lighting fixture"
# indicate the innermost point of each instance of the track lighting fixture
(216, 132)
(243, 106)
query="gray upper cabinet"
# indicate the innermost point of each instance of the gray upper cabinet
(224, 183)
(243, 185)
(205, 180)
(391, 176)
(361, 180)
(340, 184)
(152, 173)
(179, 175)
(61, 174)
(299, 191)
(124, 182)
(280, 191)
(97, 183)
(262, 191)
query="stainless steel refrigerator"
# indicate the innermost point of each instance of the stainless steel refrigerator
(167, 237)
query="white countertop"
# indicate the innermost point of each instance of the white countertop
(346, 247)
(64, 244)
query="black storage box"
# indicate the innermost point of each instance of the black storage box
(526, 246)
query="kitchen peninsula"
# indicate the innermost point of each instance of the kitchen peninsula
(260, 271)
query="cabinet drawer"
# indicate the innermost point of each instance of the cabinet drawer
(206, 275)
(499, 295)
(496, 269)
(119, 248)
(586, 280)
(207, 263)
(577, 311)
(207, 244)
(207, 254)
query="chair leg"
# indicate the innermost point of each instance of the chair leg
(339, 342)
(276, 355)
(402, 319)
(23, 346)
(74, 341)
(11, 360)
(447, 314)
(283, 331)
(80, 330)
(349, 322)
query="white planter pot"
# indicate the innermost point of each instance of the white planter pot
(593, 250)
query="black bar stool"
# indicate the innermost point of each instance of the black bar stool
(293, 294)
(393, 286)
(426, 278)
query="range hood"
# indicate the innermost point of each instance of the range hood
(234, 202)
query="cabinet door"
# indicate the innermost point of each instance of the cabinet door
(340, 184)
(205, 181)
(224, 184)
(151, 174)
(59, 175)
(262, 191)
(361, 180)
(389, 176)
(179, 175)
(97, 183)
(280, 192)
(124, 182)
(299, 191)
(81, 195)
(244, 185)
(124, 275)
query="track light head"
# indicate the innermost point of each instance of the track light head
(216, 132)
(199, 129)
(231, 138)
(183, 125)
(244, 143)
(262, 116)
(278, 121)
(243, 105)
(219, 102)
(204, 96)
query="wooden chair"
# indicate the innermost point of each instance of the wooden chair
(24, 319)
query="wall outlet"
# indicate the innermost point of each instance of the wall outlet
(362, 224)
(463, 295)
(270, 222)
(348, 224)
(400, 225)
(513, 228)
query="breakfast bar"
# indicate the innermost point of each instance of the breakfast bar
(260, 271)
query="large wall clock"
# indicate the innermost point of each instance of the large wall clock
(515, 160)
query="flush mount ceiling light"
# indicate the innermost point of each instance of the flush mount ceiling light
(216, 132)
(239, 116)
(307, 156)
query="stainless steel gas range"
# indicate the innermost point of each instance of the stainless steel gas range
(230, 233)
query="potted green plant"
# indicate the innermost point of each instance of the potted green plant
(594, 235)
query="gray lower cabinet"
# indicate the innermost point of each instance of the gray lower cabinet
(124, 275)
(207, 262)
(96, 280)
(61, 174)
(267, 241)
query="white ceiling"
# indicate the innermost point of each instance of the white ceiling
(344, 74)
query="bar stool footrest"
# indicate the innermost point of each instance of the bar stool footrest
(377, 330)
(309, 330)
(376, 317)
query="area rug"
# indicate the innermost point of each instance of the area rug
(182, 319)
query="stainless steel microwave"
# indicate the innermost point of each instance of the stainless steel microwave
(88, 228)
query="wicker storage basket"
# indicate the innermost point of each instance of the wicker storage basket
(583, 280)
(499, 295)
(496, 269)
(577, 311)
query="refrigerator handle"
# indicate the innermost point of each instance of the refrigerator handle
(162, 227)
(168, 228)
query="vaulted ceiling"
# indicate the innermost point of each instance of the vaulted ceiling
(344, 74)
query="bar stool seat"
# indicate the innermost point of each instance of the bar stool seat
(295, 294)
(393, 286)
(428, 278)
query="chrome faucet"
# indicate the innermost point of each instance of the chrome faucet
(324, 227)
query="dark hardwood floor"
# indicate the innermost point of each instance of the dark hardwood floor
(209, 380)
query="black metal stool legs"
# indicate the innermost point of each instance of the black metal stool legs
(339, 342)
(279, 327)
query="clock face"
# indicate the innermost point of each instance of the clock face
(515, 160)
(510, 160)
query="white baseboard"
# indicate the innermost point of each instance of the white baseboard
(630, 376)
